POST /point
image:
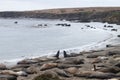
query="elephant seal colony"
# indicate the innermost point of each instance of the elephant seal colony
(91, 65)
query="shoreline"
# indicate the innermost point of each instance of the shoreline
(93, 64)
(84, 48)
(73, 66)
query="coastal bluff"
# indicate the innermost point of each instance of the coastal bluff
(95, 14)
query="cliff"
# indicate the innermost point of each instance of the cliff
(99, 14)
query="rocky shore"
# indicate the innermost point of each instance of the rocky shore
(92, 65)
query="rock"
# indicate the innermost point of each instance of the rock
(47, 75)
(111, 53)
(92, 56)
(48, 66)
(8, 77)
(3, 67)
(71, 70)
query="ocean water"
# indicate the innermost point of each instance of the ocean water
(25, 39)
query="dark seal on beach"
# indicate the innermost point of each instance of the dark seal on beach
(57, 54)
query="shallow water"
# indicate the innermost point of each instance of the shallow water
(25, 40)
